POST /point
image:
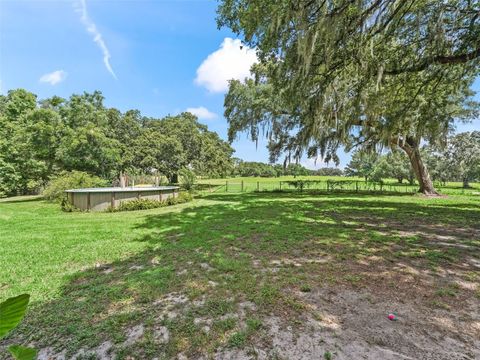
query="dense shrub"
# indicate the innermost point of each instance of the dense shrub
(55, 190)
(187, 179)
(145, 204)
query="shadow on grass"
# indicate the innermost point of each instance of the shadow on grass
(253, 246)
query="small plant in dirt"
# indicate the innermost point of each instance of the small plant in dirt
(12, 312)
(328, 355)
(237, 340)
(305, 288)
(253, 325)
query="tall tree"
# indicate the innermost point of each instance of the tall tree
(395, 165)
(85, 144)
(22, 170)
(372, 72)
(177, 142)
(362, 164)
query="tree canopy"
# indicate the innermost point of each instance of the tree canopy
(374, 73)
(39, 139)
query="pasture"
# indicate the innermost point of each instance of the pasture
(268, 275)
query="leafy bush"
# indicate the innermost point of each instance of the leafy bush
(146, 204)
(55, 190)
(187, 179)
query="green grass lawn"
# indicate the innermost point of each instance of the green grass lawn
(212, 273)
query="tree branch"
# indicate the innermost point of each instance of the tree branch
(441, 59)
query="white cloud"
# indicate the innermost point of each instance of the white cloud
(202, 113)
(97, 36)
(232, 61)
(54, 77)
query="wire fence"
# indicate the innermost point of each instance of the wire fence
(357, 186)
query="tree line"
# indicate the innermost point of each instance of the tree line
(260, 169)
(40, 139)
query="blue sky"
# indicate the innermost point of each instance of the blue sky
(161, 57)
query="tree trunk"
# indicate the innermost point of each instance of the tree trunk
(400, 180)
(421, 172)
(466, 185)
(122, 179)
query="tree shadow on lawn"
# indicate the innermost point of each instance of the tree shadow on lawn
(223, 251)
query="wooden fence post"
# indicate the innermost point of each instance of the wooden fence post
(226, 186)
(258, 185)
(242, 186)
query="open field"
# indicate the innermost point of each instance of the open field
(269, 275)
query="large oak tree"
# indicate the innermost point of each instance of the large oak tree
(354, 72)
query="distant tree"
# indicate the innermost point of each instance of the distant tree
(462, 156)
(437, 164)
(362, 164)
(296, 170)
(279, 170)
(394, 164)
(329, 171)
(255, 169)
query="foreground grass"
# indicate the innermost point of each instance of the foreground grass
(190, 270)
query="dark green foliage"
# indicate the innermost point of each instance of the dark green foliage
(146, 204)
(55, 191)
(328, 171)
(259, 169)
(255, 169)
(40, 139)
(394, 165)
(178, 142)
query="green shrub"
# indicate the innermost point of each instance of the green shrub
(146, 204)
(55, 190)
(187, 179)
(67, 206)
